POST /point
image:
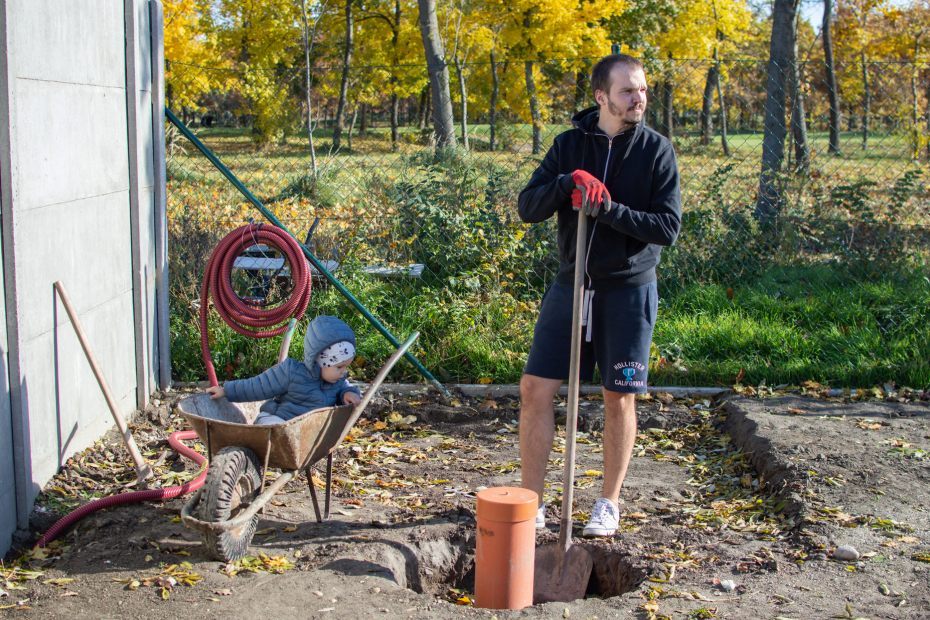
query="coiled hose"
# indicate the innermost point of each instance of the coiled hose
(247, 319)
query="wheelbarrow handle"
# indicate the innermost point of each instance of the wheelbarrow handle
(382, 374)
(376, 383)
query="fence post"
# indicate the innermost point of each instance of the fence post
(162, 311)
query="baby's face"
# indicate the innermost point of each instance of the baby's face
(331, 374)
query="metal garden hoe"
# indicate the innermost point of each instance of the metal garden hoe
(562, 571)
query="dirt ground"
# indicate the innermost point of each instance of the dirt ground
(733, 508)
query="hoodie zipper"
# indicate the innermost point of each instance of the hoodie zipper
(588, 303)
(610, 145)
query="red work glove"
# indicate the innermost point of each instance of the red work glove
(589, 195)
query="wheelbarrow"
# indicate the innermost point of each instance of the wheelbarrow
(225, 509)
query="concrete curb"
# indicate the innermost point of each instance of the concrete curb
(495, 390)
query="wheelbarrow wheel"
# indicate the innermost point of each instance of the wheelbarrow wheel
(233, 481)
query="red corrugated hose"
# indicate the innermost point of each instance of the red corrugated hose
(247, 319)
(138, 496)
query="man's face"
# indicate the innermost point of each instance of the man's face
(626, 100)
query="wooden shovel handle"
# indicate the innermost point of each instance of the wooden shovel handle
(571, 420)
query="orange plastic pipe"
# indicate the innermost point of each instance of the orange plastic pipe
(506, 548)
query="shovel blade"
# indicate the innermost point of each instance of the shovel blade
(561, 583)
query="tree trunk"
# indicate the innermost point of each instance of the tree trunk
(668, 108)
(781, 52)
(426, 103)
(707, 118)
(303, 15)
(344, 85)
(534, 107)
(866, 104)
(928, 117)
(802, 153)
(915, 149)
(579, 99)
(438, 74)
(723, 109)
(363, 123)
(351, 127)
(495, 90)
(460, 68)
(836, 121)
(394, 99)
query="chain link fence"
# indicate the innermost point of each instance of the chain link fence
(834, 289)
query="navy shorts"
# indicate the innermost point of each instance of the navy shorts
(621, 336)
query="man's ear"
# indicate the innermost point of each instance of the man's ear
(601, 97)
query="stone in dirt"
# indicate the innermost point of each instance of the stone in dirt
(846, 552)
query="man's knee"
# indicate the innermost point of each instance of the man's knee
(618, 403)
(538, 390)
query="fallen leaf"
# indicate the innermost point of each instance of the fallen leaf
(59, 582)
(223, 592)
(290, 528)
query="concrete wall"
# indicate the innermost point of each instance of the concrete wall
(76, 173)
(7, 473)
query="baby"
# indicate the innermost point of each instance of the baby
(293, 388)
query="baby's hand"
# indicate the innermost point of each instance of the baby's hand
(351, 398)
(216, 392)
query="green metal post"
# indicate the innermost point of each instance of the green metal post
(310, 257)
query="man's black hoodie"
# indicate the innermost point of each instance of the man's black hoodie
(643, 186)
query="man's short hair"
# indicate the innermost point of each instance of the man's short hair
(600, 74)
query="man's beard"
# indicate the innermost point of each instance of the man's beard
(626, 118)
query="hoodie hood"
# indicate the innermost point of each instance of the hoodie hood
(322, 332)
(586, 120)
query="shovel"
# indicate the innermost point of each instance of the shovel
(561, 571)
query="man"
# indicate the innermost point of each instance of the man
(623, 176)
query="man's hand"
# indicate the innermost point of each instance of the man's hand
(350, 398)
(216, 392)
(589, 195)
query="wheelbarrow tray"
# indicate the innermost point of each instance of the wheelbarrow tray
(290, 445)
(293, 444)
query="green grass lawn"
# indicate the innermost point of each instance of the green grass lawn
(798, 311)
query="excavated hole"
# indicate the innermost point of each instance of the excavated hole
(436, 566)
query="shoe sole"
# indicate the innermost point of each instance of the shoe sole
(598, 532)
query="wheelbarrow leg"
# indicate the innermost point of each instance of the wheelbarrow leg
(329, 484)
(316, 505)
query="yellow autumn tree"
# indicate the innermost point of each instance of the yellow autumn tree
(468, 37)
(389, 55)
(187, 47)
(261, 41)
(536, 37)
(697, 35)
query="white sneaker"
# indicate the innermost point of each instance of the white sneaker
(604, 519)
(541, 517)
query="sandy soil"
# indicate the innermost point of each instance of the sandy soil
(750, 490)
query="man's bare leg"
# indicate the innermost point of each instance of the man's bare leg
(619, 438)
(537, 429)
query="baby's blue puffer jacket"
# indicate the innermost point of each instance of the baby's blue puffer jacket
(293, 388)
